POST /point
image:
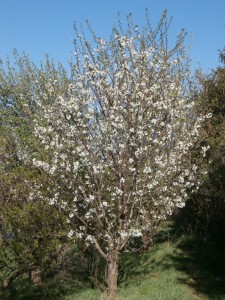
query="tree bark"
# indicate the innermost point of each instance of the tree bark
(112, 275)
(36, 277)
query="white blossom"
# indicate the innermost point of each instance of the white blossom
(119, 140)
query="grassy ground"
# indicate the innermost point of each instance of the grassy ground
(174, 269)
(152, 276)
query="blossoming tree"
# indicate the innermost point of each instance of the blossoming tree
(120, 141)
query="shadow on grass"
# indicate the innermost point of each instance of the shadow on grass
(201, 263)
(135, 266)
(204, 263)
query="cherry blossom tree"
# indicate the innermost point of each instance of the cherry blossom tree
(120, 140)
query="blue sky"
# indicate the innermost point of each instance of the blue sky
(46, 26)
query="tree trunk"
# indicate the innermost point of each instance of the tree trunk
(112, 275)
(36, 277)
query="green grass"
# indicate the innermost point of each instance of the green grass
(88, 294)
(149, 276)
(176, 268)
(159, 279)
(204, 265)
(180, 268)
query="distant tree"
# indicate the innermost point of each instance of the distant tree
(120, 142)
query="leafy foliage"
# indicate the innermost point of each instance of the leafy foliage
(204, 213)
(32, 231)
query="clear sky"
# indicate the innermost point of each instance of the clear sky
(46, 26)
